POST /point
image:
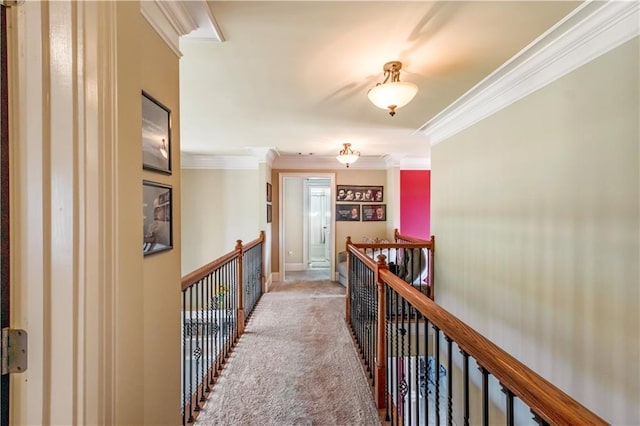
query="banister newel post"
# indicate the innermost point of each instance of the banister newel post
(347, 309)
(263, 238)
(381, 353)
(240, 288)
(432, 272)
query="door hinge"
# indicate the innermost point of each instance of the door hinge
(14, 351)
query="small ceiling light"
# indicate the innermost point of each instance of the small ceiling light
(163, 149)
(392, 93)
(347, 155)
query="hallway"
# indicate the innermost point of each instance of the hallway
(295, 363)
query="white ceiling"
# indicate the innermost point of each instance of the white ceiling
(294, 75)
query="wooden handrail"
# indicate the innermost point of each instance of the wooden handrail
(255, 242)
(398, 236)
(363, 257)
(193, 277)
(425, 244)
(209, 310)
(415, 243)
(546, 400)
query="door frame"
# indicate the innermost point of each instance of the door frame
(5, 294)
(282, 219)
(306, 256)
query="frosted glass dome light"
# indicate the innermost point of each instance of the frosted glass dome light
(392, 93)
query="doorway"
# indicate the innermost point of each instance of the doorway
(318, 217)
(307, 235)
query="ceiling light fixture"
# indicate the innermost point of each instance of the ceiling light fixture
(347, 155)
(392, 93)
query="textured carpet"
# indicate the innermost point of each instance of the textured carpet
(295, 364)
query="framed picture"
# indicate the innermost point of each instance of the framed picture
(359, 193)
(269, 213)
(156, 135)
(374, 212)
(269, 192)
(348, 212)
(157, 216)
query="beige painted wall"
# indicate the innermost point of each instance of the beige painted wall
(218, 208)
(358, 230)
(536, 213)
(264, 176)
(161, 290)
(392, 199)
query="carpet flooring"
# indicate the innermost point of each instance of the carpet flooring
(295, 364)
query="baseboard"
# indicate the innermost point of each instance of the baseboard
(275, 276)
(295, 267)
(268, 282)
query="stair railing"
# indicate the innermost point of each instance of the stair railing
(412, 349)
(216, 301)
(431, 247)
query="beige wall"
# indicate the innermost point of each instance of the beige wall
(392, 199)
(536, 213)
(218, 208)
(358, 230)
(161, 290)
(264, 176)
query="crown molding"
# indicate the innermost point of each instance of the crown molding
(295, 162)
(264, 154)
(415, 163)
(403, 162)
(588, 32)
(179, 16)
(219, 162)
(174, 19)
(208, 28)
(326, 162)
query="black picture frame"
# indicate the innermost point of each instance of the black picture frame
(370, 213)
(157, 217)
(345, 213)
(360, 193)
(269, 192)
(269, 213)
(156, 135)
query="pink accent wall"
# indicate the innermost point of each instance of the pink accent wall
(415, 203)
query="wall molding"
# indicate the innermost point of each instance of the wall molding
(588, 32)
(407, 163)
(172, 20)
(271, 157)
(294, 267)
(326, 162)
(208, 28)
(268, 282)
(264, 154)
(229, 162)
(290, 162)
(219, 162)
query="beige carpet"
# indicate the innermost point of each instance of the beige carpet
(295, 364)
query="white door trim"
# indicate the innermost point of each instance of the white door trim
(281, 221)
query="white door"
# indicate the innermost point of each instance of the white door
(319, 227)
